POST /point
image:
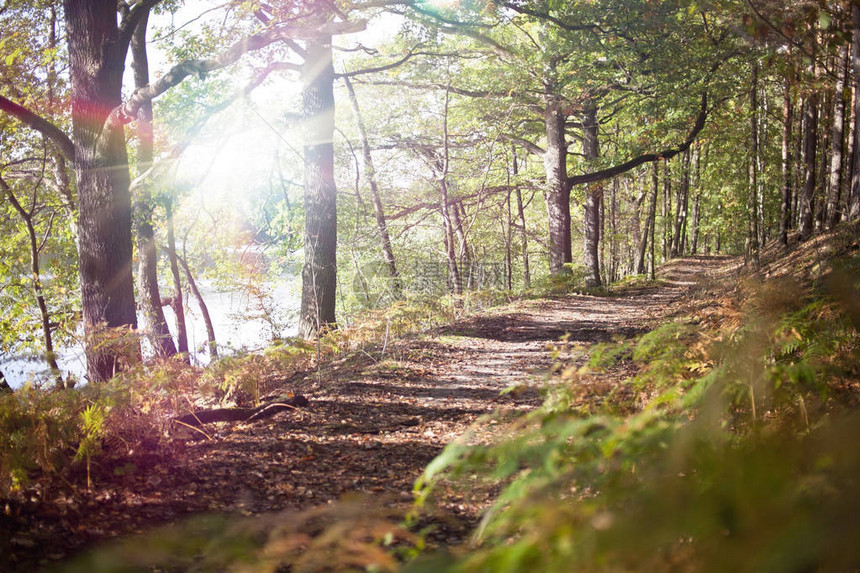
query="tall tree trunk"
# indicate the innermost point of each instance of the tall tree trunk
(593, 197)
(678, 236)
(718, 236)
(508, 230)
(853, 207)
(697, 195)
(787, 163)
(370, 175)
(147, 254)
(464, 256)
(652, 217)
(558, 191)
(837, 137)
(810, 145)
(612, 272)
(521, 214)
(443, 166)
(752, 251)
(825, 120)
(639, 233)
(176, 302)
(96, 59)
(648, 231)
(319, 275)
(666, 209)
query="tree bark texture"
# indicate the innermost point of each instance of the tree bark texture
(853, 207)
(319, 274)
(96, 58)
(558, 191)
(650, 220)
(666, 209)
(752, 255)
(837, 139)
(680, 228)
(147, 253)
(593, 197)
(810, 146)
(787, 164)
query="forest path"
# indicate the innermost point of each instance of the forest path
(373, 425)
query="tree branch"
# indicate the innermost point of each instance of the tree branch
(647, 157)
(409, 55)
(437, 86)
(521, 9)
(525, 144)
(40, 124)
(131, 20)
(127, 112)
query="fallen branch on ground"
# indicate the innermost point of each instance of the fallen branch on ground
(201, 417)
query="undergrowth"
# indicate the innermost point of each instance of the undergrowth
(48, 434)
(742, 455)
(734, 449)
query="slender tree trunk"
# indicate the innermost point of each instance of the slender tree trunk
(508, 237)
(845, 196)
(810, 145)
(521, 214)
(678, 237)
(96, 60)
(319, 275)
(464, 256)
(697, 193)
(36, 282)
(798, 157)
(204, 309)
(638, 233)
(718, 236)
(787, 164)
(649, 221)
(837, 137)
(666, 209)
(558, 191)
(822, 183)
(761, 166)
(652, 217)
(752, 250)
(455, 280)
(370, 175)
(593, 197)
(176, 301)
(853, 207)
(147, 253)
(613, 232)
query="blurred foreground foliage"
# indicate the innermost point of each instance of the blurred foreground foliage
(740, 454)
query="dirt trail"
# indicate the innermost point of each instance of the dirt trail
(372, 426)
